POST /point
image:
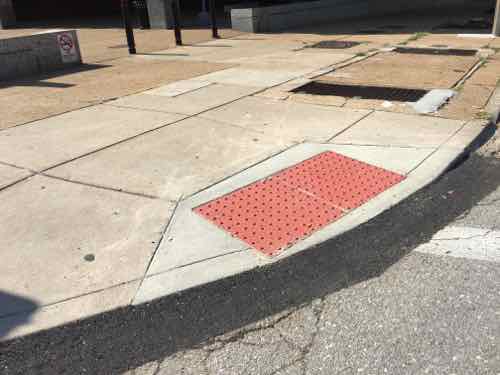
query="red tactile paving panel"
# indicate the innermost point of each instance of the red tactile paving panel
(344, 182)
(269, 215)
(274, 213)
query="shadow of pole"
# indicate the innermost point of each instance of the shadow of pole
(129, 337)
(10, 318)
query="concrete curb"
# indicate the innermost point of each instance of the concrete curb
(434, 165)
(493, 105)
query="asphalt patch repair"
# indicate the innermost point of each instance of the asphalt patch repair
(276, 212)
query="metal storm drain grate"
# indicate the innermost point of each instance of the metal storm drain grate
(272, 214)
(437, 51)
(335, 44)
(396, 94)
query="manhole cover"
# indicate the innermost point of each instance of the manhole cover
(396, 94)
(436, 51)
(276, 212)
(335, 44)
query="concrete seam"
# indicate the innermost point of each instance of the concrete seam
(350, 126)
(112, 144)
(105, 101)
(436, 150)
(439, 147)
(50, 116)
(493, 105)
(382, 146)
(108, 104)
(243, 170)
(69, 299)
(198, 262)
(98, 186)
(164, 231)
(469, 74)
(15, 182)
(16, 166)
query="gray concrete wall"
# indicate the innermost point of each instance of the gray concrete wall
(496, 24)
(160, 13)
(282, 17)
(39, 53)
(7, 14)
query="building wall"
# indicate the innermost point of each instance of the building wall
(31, 10)
(285, 16)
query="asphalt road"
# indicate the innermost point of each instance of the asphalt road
(364, 303)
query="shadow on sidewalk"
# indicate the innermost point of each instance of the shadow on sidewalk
(129, 337)
(9, 304)
(39, 80)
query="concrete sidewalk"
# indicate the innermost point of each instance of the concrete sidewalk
(99, 204)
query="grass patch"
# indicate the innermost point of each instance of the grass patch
(459, 88)
(483, 115)
(414, 37)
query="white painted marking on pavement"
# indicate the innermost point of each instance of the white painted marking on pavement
(476, 36)
(464, 242)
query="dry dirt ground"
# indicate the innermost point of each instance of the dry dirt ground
(108, 72)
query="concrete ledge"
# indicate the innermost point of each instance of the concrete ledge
(160, 13)
(38, 53)
(281, 17)
(493, 106)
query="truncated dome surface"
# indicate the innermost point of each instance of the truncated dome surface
(276, 212)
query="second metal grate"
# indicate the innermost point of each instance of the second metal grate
(397, 94)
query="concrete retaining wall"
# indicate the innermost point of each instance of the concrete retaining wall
(281, 17)
(38, 53)
(160, 13)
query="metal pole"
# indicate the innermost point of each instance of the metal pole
(496, 22)
(213, 17)
(177, 22)
(127, 23)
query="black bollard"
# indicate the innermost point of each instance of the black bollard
(213, 17)
(177, 22)
(127, 23)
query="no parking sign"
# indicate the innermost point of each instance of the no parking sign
(67, 47)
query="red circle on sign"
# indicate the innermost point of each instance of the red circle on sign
(66, 42)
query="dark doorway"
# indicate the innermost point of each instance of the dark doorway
(35, 10)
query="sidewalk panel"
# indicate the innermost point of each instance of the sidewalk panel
(395, 129)
(9, 175)
(189, 103)
(175, 161)
(286, 120)
(59, 240)
(48, 142)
